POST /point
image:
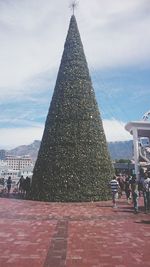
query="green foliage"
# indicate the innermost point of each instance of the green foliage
(123, 161)
(73, 163)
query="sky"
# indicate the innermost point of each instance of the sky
(116, 40)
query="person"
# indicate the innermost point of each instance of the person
(146, 192)
(140, 185)
(114, 189)
(135, 195)
(21, 184)
(27, 186)
(140, 182)
(121, 183)
(127, 189)
(132, 183)
(9, 182)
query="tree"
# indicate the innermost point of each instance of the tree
(73, 163)
(123, 161)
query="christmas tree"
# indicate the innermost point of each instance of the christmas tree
(73, 163)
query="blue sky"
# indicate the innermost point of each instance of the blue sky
(116, 40)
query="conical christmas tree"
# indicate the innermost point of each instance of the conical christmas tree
(73, 163)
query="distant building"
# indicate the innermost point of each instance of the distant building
(27, 171)
(125, 168)
(3, 164)
(8, 172)
(18, 163)
(2, 154)
(3, 168)
(5, 172)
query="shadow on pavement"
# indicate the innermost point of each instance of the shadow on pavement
(143, 221)
(104, 206)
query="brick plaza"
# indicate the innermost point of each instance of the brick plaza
(41, 234)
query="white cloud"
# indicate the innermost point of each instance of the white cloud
(13, 137)
(114, 33)
(117, 34)
(115, 131)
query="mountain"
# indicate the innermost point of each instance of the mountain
(31, 150)
(118, 150)
(121, 150)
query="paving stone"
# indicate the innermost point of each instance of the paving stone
(39, 234)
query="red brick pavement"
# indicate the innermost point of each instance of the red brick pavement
(39, 234)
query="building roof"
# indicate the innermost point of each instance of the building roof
(143, 128)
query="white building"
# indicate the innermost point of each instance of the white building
(3, 164)
(139, 129)
(15, 167)
(27, 171)
(18, 163)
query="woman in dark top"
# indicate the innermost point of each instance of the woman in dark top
(9, 182)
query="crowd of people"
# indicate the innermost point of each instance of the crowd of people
(133, 189)
(24, 185)
(22, 188)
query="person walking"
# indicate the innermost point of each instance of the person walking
(114, 189)
(21, 183)
(27, 186)
(121, 184)
(9, 182)
(135, 196)
(140, 182)
(146, 192)
(127, 189)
